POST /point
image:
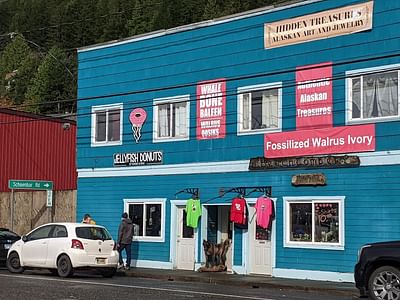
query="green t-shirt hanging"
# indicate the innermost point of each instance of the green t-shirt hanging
(193, 212)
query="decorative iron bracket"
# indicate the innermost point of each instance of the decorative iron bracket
(193, 191)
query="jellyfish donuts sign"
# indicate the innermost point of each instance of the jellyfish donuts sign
(137, 118)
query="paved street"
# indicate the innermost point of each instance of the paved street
(42, 285)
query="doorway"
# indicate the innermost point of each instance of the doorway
(185, 242)
(260, 249)
(219, 229)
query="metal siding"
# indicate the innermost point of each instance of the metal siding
(372, 212)
(35, 149)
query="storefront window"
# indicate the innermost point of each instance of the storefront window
(301, 226)
(147, 218)
(314, 223)
(326, 222)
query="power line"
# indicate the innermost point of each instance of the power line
(286, 85)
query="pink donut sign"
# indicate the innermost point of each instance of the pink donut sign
(137, 116)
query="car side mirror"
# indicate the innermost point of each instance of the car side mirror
(24, 238)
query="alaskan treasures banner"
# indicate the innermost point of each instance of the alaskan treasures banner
(326, 24)
(211, 109)
(314, 96)
(346, 139)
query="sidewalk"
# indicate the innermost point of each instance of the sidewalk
(243, 280)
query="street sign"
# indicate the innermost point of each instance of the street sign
(49, 202)
(30, 185)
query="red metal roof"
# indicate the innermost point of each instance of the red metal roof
(37, 148)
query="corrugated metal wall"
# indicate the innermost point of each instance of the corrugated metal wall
(36, 149)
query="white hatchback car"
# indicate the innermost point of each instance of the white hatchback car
(64, 247)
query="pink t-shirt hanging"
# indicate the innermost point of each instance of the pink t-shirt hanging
(264, 212)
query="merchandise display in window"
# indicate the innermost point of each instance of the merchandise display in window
(301, 222)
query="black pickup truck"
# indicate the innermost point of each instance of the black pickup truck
(377, 272)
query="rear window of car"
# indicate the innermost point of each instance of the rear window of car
(8, 234)
(92, 233)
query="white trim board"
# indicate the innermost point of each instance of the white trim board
(313, 275)
(151, 264)
(379, 158)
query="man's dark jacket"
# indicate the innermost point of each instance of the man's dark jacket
(125, 231)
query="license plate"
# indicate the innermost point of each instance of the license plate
(7, 246)
(101, 261)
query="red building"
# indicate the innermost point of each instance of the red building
(37, 147)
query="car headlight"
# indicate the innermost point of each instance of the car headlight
(360, 251)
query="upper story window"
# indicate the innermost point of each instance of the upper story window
(314, 222)
(107, 125)
(373, 95)
(259, 108)
(171, 119)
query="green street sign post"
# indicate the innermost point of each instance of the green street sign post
(30, 185)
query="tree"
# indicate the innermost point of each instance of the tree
(18, 64)
(143, 17)
(211, 10)
(52, 85)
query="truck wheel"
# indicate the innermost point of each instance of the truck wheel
(384, 284)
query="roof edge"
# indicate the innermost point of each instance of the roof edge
(234, 17)
(35, 116)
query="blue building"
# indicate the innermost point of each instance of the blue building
(297, 102)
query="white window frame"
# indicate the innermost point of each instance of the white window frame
(162, 201)
(170, 100)
(253, 88)
(313, 245)
(349, 99)
(106, 108)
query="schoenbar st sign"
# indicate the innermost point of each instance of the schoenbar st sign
(346, 139)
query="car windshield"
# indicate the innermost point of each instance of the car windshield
(93, 233)
(8, 234)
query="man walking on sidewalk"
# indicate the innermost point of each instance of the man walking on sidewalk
(125, 234)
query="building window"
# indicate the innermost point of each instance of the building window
(171, 119)
(314, 222)
(148, 217)
(259, 108)
(373, 95)
(107, 125)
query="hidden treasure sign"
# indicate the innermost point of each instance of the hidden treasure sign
(344, 20)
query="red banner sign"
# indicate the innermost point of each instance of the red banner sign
(332, 140)
(211, 109)
(314, 96)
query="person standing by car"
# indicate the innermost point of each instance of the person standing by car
(125, 234)
(87, 219)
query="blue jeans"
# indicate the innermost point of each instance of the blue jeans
(128, 251)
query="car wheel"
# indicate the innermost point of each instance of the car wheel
(384, 284)
(14, 263)
(64, 266)
(108, 272)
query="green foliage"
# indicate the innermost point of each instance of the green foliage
(17, 66)
(70, 24)
(51, 85)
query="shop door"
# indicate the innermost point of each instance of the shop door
(185, 243)
(260, 260)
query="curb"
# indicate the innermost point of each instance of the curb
(253, 284)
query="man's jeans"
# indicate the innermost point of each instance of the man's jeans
(128, 251)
